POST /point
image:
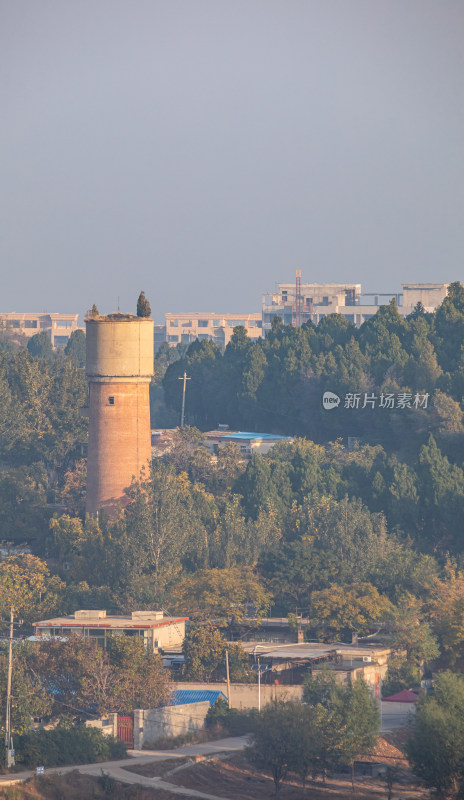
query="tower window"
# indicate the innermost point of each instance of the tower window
(111, 401)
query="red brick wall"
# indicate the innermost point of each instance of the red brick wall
(119, 442)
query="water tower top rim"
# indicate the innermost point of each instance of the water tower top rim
(116, 317)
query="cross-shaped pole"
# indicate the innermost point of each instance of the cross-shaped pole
(184, 379)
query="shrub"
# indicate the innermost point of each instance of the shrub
(59, 747)
(236, 723)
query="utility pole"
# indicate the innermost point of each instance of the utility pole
(259, 688)
(9, 757)
(228, 678)
(184, 379)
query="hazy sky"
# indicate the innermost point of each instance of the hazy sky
(202, 150)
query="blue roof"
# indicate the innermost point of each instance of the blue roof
(181, 697)
(246, 435)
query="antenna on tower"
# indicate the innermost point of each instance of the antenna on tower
(298, 299)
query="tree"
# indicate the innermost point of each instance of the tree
(362, 724)
(341, 610)
(155, 531)
(203, 650)
(446, 610)
(75, 348)
(227, 596)
(272, 741)
(411, 633)
(75, 487)
(29, 699)
(436, 748)
(142, 680)
(77, 675)
(143, 306)
(27, 586)
(40, 346)
(349, 719)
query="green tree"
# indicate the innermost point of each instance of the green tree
(77, 674)
(40, 346)
(143, 306)
(436, 748)
(27, 586)
(272, 741)
(204, 649)
(29, 699)
(225, 595)
(155, 531)
(75, 348)
(412, 633)
(343, 610)
(349, 719)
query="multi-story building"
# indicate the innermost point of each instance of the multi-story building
(296, 303)
(58, 326)
(218, 328)
(305, 302)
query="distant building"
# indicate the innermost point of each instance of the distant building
(158, 632)
(218, 328)
(58, 326)
(296, 303)
(249, 443)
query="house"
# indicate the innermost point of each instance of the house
(159, 632)
(289, 664)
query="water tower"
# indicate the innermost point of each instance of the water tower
(119, 366)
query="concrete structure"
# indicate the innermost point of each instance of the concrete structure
(186, 713)
(108, 725)
(153, 724)
(245, 695)
(218, 328)
(119, 366)
(248, 442)
(431, 295)
(58, 326)
(157, 630)
(317, 300)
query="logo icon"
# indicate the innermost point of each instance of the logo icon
(330, 400)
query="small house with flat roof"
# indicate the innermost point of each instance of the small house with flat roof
(159, 632)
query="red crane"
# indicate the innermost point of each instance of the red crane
(297, 315)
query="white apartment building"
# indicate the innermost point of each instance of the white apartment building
(58, 326)
(317, 300)
(218, 328)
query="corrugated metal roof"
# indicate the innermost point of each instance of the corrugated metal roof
(181, 697)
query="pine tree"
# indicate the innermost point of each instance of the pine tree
(143, 306)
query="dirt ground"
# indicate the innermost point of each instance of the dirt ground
(236, 779)
(74, 786)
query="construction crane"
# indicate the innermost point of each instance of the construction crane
(297, 306)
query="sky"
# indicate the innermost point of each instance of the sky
(203, 150)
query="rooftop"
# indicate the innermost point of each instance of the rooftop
(181, 697)
(99, 619)
(312, 650)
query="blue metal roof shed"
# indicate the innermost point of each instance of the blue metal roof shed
(182, 697)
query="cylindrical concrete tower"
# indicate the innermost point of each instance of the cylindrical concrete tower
(119, 355)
